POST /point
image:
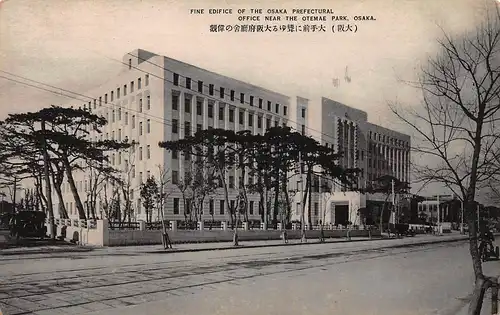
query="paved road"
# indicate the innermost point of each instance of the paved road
(342, 278)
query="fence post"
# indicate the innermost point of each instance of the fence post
(280, 226)
(224, 225)
(142, 225)
(102, 227)
(173, 225)
(201, 225)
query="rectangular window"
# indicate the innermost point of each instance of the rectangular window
(133, 121)
(221, 112)
(250, 120)
(303, 129)
(174, 154)
(130, 64)
(242, 98)
(140, 128)
(268, 123)
(113, 116)
(210, 110)
(112, 95)
(105, 98)
(211, 89)
(200, 86)
(124, 90)
(100, 100)
(119, 135)
(175, 101)
(269, 105)
(221, 207)
(176, 79)
(131, 86)
(140, 105)
(126, 118)
(175, 177)
(231, 181)
(148, 102)
(316, 209)
(232, 95)
(118, 93)
(175, 126)
(148, 152)
(119, 113)
(231, 115)
(176, 205)
(199, 106)
(250, 210)
(221, 92)
(285, 109)
(140, 154)
(95, 104)
(187, 104)
(187, 128)
(251, 100)
(259, 122)
(241, 118)
(188, 83)
(277, 108)
(148, 126)
(146, 83)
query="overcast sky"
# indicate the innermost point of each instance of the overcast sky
(72, 44)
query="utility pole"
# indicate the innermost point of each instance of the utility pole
(462, 224)
(393, 204)
(302, 202)
(439, 216)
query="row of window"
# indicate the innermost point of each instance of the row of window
(113, 96)
(221, 110)
(211, 207)
(389, 140)
(252, 101)
(187, 124)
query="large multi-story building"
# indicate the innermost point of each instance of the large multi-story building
(156, 98)
(375, 150)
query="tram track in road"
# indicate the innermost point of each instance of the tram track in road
(164, 265)
(194, 269)
(228, 270)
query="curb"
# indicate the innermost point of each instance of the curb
(170, 251)
(82, 249)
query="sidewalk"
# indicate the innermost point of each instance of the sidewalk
(198, 247)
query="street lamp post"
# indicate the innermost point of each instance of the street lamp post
(439, 216)
(462, 217)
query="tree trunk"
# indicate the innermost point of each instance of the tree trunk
(46, 161)
(302, 218)
(74, 191)
(245, 196)
(276, 196)
(309, 213)
(287, 199)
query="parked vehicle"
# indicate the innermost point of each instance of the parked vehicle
(28, 224)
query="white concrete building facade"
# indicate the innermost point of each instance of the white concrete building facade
(375, 150)
(156, 98)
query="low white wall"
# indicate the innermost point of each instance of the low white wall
(97, 233)
(123, 237)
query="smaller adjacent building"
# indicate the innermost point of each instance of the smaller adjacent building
(440, 208)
